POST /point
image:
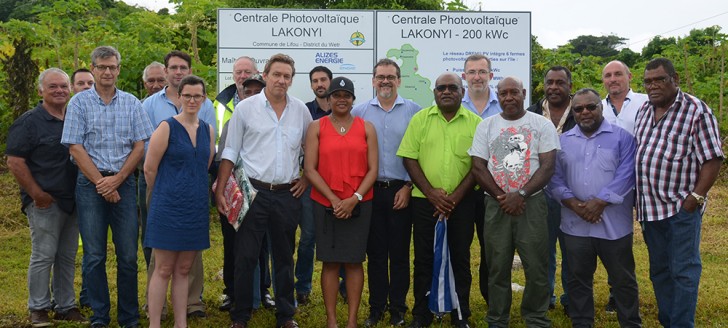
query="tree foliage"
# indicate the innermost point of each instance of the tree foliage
(599, 46)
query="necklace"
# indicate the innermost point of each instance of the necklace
(342, 128)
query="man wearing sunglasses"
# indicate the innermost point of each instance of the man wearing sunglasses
(593, 181)
(678, 159)
(434, 149)
(513, 159)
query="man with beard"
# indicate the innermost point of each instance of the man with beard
(594, 181)
(679, 156)
(320, 78)
(391, 225)
(434, 149)
(556, 106)
(513, 159)
(621, 103)
(160, 106)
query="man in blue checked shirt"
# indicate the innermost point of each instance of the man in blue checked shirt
(105, 131)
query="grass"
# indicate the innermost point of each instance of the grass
(712, 302)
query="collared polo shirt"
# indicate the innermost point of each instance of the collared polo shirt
(269, 146)
(106, 132)
(390, 126)
(600, 166)
(628, 113)
(493, 107)
(440, 147)
(159, 108)
(36, 137)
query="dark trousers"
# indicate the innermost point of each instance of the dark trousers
(388, 252)
(228, 256)
(278, 213)
(459, 236)
(617, 257)
(479, 219)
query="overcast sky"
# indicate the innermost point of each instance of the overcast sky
(555, 22)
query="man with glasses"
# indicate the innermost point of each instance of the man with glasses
(481, 99)
(513, 159)
(621, 103)
(154, 78)
(391, 225)
(105, 130)
(228, 98)
(556, 106)
(434, 149)
(594, 181)
(159, 107)
(678, 158)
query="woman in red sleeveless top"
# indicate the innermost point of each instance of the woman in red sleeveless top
(341, 164)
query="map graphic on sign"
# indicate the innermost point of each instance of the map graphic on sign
(414, 86)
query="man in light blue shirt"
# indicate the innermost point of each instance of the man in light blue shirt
(480, 98)
(105, 130)
(594, 182)
(267, 132)
(391, 225)
(159, 107)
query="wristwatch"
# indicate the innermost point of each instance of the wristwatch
(409, 185)
(700, 199)
(522, 193)
(358, 196)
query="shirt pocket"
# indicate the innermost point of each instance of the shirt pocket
(677, 146)
(607, 159)
(292, 138)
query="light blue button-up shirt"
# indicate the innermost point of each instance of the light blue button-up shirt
(159, 108)
(269, 146)
(390, 126)
(107, 132)
(493, 107)
(601, 166)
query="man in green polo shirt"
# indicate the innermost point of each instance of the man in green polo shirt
(435, 155)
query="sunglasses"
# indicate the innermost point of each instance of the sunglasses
(590, 107)
(451, 87)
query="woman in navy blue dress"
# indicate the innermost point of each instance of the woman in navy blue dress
(179, 155)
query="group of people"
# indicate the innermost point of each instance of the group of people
(363, 182)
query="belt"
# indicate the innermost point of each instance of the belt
(260, 185)
(389, 184)
(107, 173)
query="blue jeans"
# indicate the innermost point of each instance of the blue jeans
(306, 246)
(54, 242)
(95, 216)
(554, 226)
(675, 267)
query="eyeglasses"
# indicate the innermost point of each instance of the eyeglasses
(590, 107)
(658, 81)
(480, 72)
(451, 87)
(381, 78)
(196, 98)
(103, 68)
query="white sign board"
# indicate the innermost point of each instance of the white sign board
(424, 43)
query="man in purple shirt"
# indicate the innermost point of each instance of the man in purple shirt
(594, 181)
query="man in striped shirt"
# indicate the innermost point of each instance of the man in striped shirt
(678, 158)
